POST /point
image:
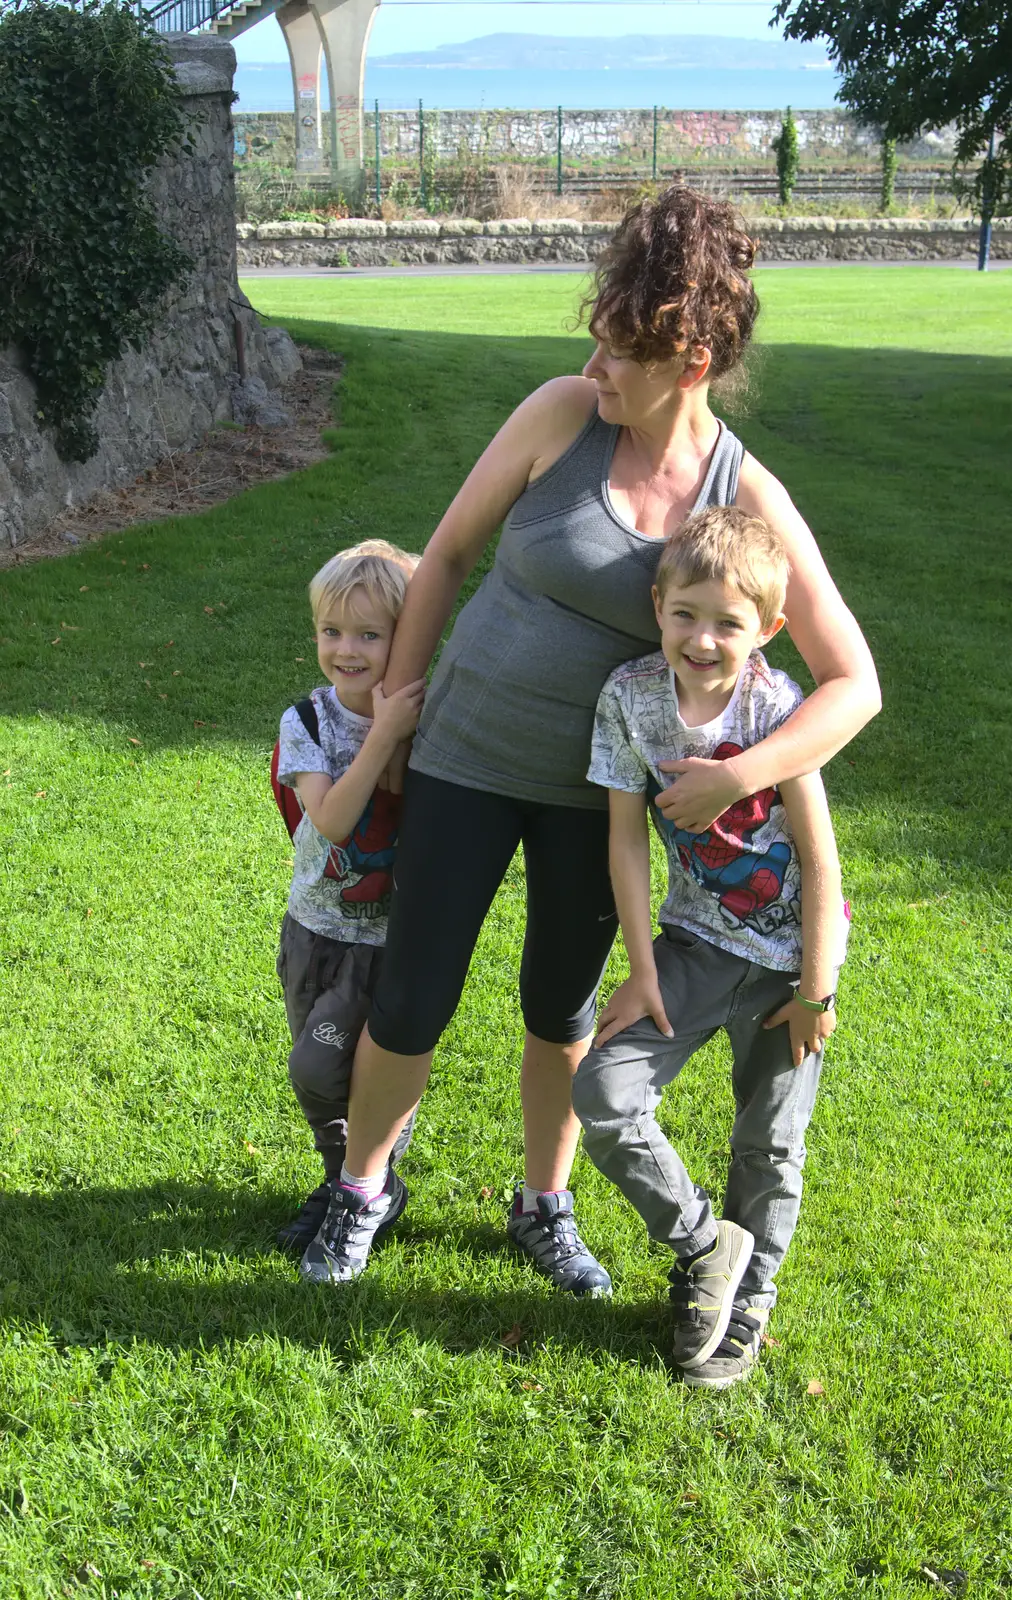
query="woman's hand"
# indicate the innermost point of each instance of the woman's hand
(639, 996)
(809, 1029)
(702, 793)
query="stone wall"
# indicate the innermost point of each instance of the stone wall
(360, 242)
(163, 397)
(683, 137)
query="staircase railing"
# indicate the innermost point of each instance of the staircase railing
(184, 16)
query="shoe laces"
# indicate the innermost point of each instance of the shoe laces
(339, 1227)
(562, 1232)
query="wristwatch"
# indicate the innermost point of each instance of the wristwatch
(815, 1005)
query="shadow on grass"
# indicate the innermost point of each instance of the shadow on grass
(181, 1265)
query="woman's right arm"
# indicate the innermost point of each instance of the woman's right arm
(527, 444)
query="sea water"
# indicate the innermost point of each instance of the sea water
(268, 87)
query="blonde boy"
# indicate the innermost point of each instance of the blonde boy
(333, 751)
(753, 932)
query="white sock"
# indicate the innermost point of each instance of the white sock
(370, 1187)
(529, 1200)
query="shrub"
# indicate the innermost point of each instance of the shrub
(88, 106)
(788, 158)
(889, 163)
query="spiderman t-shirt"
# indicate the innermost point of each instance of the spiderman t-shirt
(738, 885)
(340, 890)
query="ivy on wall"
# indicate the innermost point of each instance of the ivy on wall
(88, 106)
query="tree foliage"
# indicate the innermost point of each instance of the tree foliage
(88, 105)
(913, 65)
(788, 159)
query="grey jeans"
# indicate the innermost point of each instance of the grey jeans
(618, 1088)
(328, 989)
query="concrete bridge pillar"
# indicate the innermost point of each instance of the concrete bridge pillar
(345, 26)
(305, 49)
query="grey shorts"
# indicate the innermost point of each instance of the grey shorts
(328, 988)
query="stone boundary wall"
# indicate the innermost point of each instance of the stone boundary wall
(683, 136)
(164, 396)
(360, 242)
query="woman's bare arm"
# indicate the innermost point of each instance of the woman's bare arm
(836, 654)
(527, 444)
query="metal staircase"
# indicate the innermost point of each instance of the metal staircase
(225, 19)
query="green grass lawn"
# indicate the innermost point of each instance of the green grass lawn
(180, 1418)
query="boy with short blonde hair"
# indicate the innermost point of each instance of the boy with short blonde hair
(753, 933)
(333, 751)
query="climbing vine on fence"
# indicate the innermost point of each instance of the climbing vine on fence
(88, 105)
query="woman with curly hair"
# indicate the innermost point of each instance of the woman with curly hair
(590, 474)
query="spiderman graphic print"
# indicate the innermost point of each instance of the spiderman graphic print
(363, 863)
(738, 885)
(746, 885)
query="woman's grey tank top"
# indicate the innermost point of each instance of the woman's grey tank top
(510, 708)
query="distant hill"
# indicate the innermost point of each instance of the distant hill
(701, 52)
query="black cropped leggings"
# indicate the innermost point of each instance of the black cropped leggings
(453, 850)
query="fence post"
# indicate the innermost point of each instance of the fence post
(421, 157)
(653, 167)
(986, 209)
(558, 154)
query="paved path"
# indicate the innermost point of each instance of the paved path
(495, 269)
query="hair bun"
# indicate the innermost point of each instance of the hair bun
(674, 276)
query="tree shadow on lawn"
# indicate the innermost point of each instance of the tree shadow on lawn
(196, 631)
(182, 1265)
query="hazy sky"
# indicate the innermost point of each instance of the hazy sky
(424, 24)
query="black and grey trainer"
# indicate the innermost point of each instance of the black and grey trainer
(736, 1354)
(341, 1248)
(305, 1225)
(549, 1236)
(703, 1295)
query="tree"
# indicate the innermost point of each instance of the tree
(786, 147)
(912, 65)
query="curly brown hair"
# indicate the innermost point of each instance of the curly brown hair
(675, 276)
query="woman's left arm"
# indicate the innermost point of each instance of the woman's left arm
(836, 654)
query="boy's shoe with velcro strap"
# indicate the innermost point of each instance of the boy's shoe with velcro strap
(341, 1248)
(736, 1354)
(703, 1295)
(549, 1236)
(305, 1225)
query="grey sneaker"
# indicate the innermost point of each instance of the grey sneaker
(736, 1354)
(550, 1238)
(341, 1248)
(703, 1295)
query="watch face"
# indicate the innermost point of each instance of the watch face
(829, 1002)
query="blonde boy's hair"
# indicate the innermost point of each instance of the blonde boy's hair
(730, 545)
(376, 566)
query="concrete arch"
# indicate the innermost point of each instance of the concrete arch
(334, 30)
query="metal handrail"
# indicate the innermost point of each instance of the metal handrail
(185, 16)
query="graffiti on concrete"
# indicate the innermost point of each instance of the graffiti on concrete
(594, 136)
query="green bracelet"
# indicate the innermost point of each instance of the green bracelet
(815, 1005)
